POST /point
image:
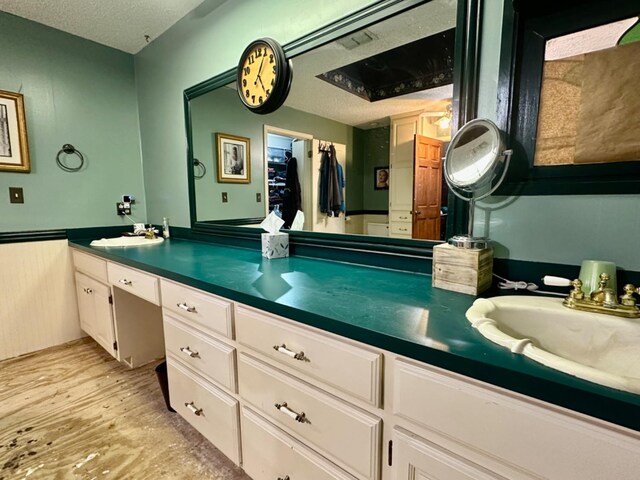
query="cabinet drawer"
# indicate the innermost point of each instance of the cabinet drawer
(350, 436)
(206, 310)
(208, 356)
(211, 411)
(401, 216)
(543, 441)
(401, 228)
(269, 454)
(133, 281)
(93, 266)
(417, 458)
(349, 368)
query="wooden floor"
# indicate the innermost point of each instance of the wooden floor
(73, 412)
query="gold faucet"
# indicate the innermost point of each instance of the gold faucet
(604, 300)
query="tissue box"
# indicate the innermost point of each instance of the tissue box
(275, 245)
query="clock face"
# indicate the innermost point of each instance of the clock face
(264, 76)
(259, 75)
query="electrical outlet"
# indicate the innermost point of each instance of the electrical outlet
(123, 208)
(258, 197)
(225, 199)
(128, 199)
(16, 195)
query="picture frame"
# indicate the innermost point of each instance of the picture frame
(234, 158)
(381, 178)
(14, 148)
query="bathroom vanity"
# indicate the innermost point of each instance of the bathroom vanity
(308, 369)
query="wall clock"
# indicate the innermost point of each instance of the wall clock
(264, 76)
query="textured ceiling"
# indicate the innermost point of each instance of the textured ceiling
(120, 24)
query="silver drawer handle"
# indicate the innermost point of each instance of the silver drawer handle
(290, 353)
(124, 281)
(298, 417)
(286, 477)
(193, 408)
(189, 352)
(87, 290)
(186, 307)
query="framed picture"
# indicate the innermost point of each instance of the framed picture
(14, 150)
(381, 178)
(234, 159)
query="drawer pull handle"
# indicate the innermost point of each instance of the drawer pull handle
(87, 290)
(124, 281)
(186, 307)
(298, 417)
(290, 353)
(286, 477)
(193, 408)
(404, 218)
(187, 351)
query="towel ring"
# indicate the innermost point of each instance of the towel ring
(69, 150)
(202, 170)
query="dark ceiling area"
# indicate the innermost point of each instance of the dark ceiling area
(420, 65)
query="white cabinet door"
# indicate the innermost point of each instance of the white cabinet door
(415, 458)
(96, 315)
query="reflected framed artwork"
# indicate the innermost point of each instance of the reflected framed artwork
(234, 158)
(14, 150)
(381, 178)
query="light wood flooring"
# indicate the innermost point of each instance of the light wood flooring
(74, 412)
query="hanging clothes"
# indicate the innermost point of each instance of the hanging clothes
(292, 198)
(330, 197)
(342, 183)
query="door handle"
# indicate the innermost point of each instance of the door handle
(290, 353)
(298, 417)
(186, 307)
(193, 408)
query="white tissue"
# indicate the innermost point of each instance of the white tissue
(272, 224)
(298, 221)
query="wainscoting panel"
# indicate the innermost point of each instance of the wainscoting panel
(37, 297)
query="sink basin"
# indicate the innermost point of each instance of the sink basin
(126, 242)
(600, 348)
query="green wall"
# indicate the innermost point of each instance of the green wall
(77, 92)
(562, 229)
(376, 154)
(221, 111)
(203, 44)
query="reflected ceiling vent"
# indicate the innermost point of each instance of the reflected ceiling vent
(357, 39)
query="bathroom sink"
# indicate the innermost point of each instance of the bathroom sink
(126, 242)
(600, 348)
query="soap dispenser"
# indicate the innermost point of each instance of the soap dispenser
(165, 227)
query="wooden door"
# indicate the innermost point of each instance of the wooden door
(427, 188)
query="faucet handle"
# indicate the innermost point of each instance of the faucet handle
(628, 299)
(576, 293)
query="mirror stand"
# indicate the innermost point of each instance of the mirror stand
(475, 165)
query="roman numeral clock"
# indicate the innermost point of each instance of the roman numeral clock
(264, 76)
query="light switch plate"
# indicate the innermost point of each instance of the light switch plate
(16, 195)
(225, 198)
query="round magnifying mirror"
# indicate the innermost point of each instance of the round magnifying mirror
(474, 166)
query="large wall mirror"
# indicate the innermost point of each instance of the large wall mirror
(570, 69)
(382, 90)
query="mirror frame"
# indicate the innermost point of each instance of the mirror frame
(397, 253)
(526, 28)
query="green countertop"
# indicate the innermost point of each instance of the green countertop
(396, 311)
